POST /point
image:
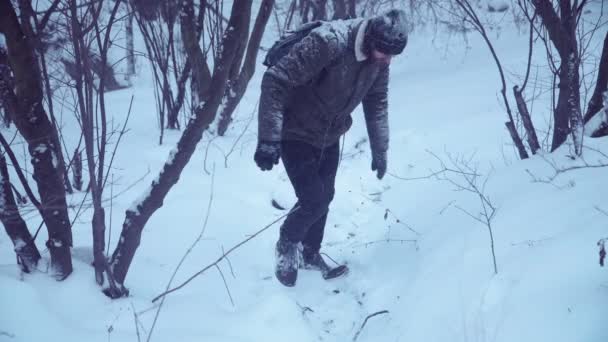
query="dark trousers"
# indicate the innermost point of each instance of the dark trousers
(312, 172)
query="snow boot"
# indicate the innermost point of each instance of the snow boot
(287, 257)
(314, 261)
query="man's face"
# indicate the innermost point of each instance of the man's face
(382, 58)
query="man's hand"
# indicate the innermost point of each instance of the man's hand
(379, 163)
(267, 154)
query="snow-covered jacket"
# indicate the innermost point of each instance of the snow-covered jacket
(310, 93)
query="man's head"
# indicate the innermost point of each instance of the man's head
(386, 35)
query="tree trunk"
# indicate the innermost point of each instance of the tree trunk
(33, 124)
(527, 120)
(562, 32)
(237, 87)
(204, 113)
(352, 8)
(595, 104)
(568, 117)
(319, 9)
(77, 170)
(339, 10)
(27, 253)
(521, 149)
(7, 85)
(130, 47)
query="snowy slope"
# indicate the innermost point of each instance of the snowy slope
(411, 250)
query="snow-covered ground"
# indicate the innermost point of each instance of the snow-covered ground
(411, 247)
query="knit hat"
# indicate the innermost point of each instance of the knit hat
(387, 33)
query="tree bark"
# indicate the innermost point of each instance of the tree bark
(595, 104)
(339, 9)
(130, 45)
(237, 86)
(33, 124)
(352, 8)
(521, 149)
(77, 170)
(204, 113)
(562, 32)
(319, 9)
(527, 120)
(7, 84)
(15, 226)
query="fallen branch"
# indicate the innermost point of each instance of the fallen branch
(365, 322)
(415, 242)
(179, 265)
(397, 220)
(222, 257)
(602, 245)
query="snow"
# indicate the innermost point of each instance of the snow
(40, 148)
(437, 284)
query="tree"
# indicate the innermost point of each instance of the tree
(157, 21)
(601, 85)
(562, 32)
(31, 120)
(209, 98)
(240, 75)
(16, 228)
(95, 138)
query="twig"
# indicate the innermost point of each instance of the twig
(222, 257)
(415, 242)
(304, 308)
(136, 320)
(20, 175)
(601, 210)
(471, 178)
(239, 137)
(365, 322)
(388, 211)
(229, 264)
(122, 132)
(111, 209)
(225, 283)
(199, 237)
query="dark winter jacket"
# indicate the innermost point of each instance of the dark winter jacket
(309, 94)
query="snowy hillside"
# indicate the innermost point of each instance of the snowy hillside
(417, 257)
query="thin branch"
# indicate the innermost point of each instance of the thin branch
(365, 322)
(222, 257)
(198, 239)
(20, 174)
(136, 320)
(47, 16)
(225, 283)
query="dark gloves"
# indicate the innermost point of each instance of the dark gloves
(379, 163)
(267, 154)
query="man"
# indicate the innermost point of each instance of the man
(305, 106)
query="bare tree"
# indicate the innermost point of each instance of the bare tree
(240, 75)
(204, 112)
(595, 104)
(167, 60)
(16, 228)
(85, 31)
(31, 120)
(469, 15)
(561, 29)
(37, 34)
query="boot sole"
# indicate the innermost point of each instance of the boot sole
(335, 272)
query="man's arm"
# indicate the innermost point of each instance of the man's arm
(305, 60)
(375, 108)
